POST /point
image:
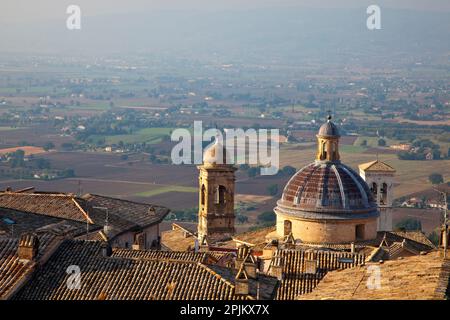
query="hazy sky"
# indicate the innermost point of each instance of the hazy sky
(26, 10)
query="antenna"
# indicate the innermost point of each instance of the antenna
(106, 226)
(80, 190)
(444, 226)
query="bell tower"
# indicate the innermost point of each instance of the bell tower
(216, 196)
(379, 176)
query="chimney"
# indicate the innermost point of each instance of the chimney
(250, 266)
(106, 249)
(139, 241)
(289, 241)
(242, 253)
(28, 247)
(241, 282)
(277, 267)
(270, 248)
(352, 247)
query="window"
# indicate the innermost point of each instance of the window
(383, 193)
(374, 189)
(359, 232)
(287, 227)
(324, 150)
(203, 195)
(220, 195)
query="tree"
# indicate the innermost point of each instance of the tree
(67, 146)
(436, 178)
(288, 170)
(43, 163)
(364, 143)
(381, 142)
(68, 173)
(241, 218)
(48, 146)
(17, 159)
(267, 216)
(272, 189)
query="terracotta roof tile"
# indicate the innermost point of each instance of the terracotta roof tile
(12, 270)
(127, 279)
(297, 280)
(419, 277)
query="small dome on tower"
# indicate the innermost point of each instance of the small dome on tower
(216, 153)
(329, 129)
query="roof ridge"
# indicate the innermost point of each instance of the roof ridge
(217, 275)
(82, 210)
(68, 195)
(120, 199)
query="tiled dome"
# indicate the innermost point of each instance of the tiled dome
(327, 190)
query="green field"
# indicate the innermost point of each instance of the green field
(147, 135)
(373, 141)
(164, 189)
(10, 128)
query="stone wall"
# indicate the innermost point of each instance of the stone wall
(327, 231)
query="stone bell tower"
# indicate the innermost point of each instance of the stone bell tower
(379, 176)
(216, 195)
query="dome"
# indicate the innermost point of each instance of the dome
(216, 153)
(328, 129)
(327, 190)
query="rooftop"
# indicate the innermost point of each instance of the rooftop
(123, 215)
(298, 276)
(376, 165)
(420, 277)
(133, 278)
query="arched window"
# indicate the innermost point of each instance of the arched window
(360, 232)
(203, 195)
(383, 193)
(324, 150)
(374, 189)
(287, 227)
(334, 150)
(220, 195)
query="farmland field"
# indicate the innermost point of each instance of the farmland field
(166, 188)
(148, 135)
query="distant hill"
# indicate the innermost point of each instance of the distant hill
(255, 35)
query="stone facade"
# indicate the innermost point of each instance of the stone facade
(380, 178)
(216, 198)
(327, 231)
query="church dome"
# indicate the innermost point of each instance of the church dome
(327, 190)
(326, 201)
